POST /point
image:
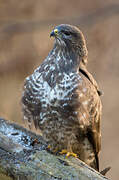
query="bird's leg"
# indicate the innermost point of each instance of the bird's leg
(68, 151)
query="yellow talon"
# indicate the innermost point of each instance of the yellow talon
(64, 151)
(71, 154)
(49, 147)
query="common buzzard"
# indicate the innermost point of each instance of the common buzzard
(62, 98)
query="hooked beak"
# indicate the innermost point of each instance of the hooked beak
(52, 34)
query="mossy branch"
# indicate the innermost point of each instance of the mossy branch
(23, 159)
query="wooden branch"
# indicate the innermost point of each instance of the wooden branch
(23, 159)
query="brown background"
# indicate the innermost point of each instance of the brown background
(25, 42)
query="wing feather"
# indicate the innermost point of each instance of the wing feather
(92, 110)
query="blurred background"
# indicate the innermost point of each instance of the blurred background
(24, 43)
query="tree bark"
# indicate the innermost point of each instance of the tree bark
(24, 156)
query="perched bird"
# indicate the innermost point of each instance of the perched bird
(62, 98)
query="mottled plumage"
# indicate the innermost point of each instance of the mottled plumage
(62, 98)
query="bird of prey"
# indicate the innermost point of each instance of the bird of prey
(62, 98)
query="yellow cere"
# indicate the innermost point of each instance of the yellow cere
(55, 31)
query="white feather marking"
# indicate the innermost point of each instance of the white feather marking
(81, 95)
(85, 102)
(84, 90)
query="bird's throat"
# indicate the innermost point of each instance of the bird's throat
(66, 59)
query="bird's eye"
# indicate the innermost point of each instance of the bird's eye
(66, 33)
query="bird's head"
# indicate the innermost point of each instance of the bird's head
(70, 36)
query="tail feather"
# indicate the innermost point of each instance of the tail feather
(104, 171)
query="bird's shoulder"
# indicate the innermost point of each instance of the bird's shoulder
(83, 70)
